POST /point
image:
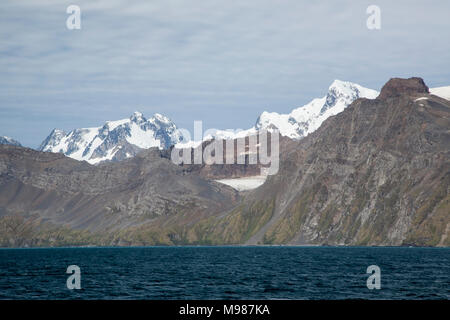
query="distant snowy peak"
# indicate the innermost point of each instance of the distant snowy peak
(344, 92)
(303, 120)
(308, 118)
(10, 141)
(115, 140)
(121, 139)
(53, 139)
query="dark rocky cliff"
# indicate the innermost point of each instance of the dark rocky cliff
(376, 174)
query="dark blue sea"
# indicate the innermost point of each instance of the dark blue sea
(225, 273)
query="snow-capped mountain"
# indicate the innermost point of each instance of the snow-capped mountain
(115, 140)
(303, 120)
(121, 139)
(10, 141)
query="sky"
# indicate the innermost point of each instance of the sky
(220, 61)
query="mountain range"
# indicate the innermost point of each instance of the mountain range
(306, 119)
(115, 140)
(121, 139)
(377, 173)
(300, 121)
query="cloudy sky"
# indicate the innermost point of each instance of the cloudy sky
(220, 61)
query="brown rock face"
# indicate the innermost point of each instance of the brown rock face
(44, 191)
(377, 173)
(397, 86)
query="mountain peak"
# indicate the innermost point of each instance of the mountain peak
(57, 132)
(341, 90)
(397, 86)
(344, 89)
(161, 118)
(10, 141)
(137, 117)
(340, 84)
(52, 141)
(304, 120)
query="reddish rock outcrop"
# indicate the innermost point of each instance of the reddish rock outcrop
(397, 86)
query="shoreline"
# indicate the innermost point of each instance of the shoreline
(223, 246)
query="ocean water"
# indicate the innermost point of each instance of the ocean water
(225, 273)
